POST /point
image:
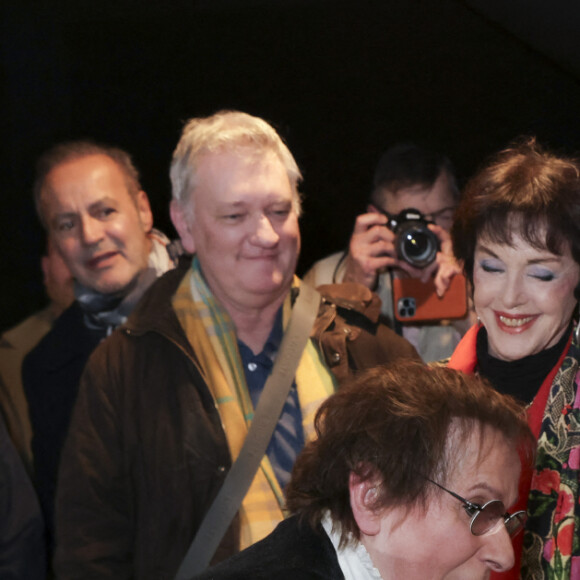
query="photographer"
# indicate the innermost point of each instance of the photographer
(407, 178)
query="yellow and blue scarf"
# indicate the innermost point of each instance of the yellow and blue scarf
(212, 335)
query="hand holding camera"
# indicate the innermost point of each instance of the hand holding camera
(371, 250)
(406, 241)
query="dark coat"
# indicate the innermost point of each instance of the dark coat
(51, 373)
(22, 554)
(147, 454)
(293, 551)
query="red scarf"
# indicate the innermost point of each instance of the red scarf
(464, 359)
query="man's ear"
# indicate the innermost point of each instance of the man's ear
(372, 208)
(144, 209)
(363, 494)
(182, 224)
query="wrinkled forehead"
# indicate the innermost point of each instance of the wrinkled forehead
(84, 173)
(469, 444)
(82, 182)
(236, 153)
(224, 171)
(227, 164)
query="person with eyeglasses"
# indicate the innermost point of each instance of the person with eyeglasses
(517, 231)
(407, 177)
(411, 477)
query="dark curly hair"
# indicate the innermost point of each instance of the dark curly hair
(395, 423)
(523, 189)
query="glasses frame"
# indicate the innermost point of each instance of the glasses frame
(434, 216)
(428, 217)
(518, 517)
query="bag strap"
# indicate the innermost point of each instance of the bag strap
(270, 405)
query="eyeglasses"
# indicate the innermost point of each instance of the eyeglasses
(485, 518)
(442, 217)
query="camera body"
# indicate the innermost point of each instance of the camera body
(415, 243)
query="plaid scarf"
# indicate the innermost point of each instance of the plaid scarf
(212, 335)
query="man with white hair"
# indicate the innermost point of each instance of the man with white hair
(155, 434)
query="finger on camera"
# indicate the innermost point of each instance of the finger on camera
(363, 248)
(370, 264)
(442, 284)
(375, 235)
(445, 274)
(382, 263)
(444, 238)
(364, 271)
(366, 221)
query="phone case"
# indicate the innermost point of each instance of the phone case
(415, 301)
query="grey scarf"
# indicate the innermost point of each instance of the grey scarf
(107, 311)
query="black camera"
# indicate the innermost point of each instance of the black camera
(415, 243)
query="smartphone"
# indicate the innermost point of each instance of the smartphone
(416, 301)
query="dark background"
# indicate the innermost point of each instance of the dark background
(341, 80)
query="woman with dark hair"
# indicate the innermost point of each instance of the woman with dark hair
(517, 231)
(409, 477)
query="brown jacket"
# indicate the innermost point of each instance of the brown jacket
(146, 452)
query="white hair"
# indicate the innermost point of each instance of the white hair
(226, 131)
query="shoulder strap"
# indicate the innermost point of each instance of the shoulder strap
(270, 405)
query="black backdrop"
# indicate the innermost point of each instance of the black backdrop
(341, 80)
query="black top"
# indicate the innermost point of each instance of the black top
(521, 378)
(21, 527)
(51, 374)
(293, 551)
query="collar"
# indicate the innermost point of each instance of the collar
(354, 560)
(354, 297)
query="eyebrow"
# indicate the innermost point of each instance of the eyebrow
(493, 492)
(442, 209)
(96, 205)
(541, 260)
(106, 200)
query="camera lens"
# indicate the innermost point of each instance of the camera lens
(417, 244)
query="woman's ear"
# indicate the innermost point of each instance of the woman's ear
(363, 494)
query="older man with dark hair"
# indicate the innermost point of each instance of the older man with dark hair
(99, 220)
(407, 177)
(154, 436)
(410, 477)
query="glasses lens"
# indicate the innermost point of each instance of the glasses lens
(444, 220)
(488, 517)
(515, 523)
(442, 217)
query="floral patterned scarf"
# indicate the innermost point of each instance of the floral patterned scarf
(551, 542)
